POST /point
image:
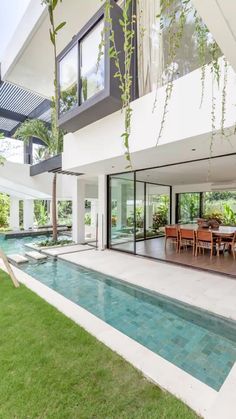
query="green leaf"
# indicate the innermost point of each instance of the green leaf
(62, 24)
(54, 4)
(52, 37)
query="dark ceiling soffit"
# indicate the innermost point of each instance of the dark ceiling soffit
(5, 133)
(66, 172)
(15, 116)
(54, 163)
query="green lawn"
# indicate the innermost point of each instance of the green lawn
(52, 368)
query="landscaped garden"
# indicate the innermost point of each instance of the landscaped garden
(52, 368)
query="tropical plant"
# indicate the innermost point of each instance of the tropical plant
(51, 136)
(87, 219)
(53, 146)
(2, 159)
(160, 217)
(4, 210)
(214, 215)
(229, 216)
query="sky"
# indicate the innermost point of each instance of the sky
(11, 12)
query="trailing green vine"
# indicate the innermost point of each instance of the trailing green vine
(123, 68)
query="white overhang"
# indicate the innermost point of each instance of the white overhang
(28, 61)
(219, 16)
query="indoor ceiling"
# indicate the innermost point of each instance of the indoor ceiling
(217, 171)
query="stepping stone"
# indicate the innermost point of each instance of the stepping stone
(36, 255)
(17, 258)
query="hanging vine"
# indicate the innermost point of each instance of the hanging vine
(123, 67)
(174, 16)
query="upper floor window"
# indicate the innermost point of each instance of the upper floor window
(88, 89)
(91, 69)
(68, 70)
(81, 73)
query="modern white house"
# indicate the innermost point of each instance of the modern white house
(186, 159)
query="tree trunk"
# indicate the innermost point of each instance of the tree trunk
(54, 207)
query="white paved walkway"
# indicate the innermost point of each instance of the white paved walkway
(211, 292)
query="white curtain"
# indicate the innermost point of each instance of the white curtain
(150, 52)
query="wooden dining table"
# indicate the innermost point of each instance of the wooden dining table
(222, 231)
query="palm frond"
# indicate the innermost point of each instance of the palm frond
(34, 128)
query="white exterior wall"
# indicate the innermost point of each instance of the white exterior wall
(101, 143)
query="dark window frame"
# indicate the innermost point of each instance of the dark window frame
(108, 100)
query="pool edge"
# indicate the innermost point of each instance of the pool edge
(166, 375)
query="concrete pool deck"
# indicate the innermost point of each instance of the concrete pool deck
(215, 293)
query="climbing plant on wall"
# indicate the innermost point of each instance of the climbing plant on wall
(173, 18)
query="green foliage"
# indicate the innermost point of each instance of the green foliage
(123, 69)
(174, 18)
(87, 219)
(52, 243)
(229, 216)
(189, 207)
(39, 129)
(64, 209)
(214, 215)
(4, 210)
(68, 98)
(160, 218)
(40, 212)
(2, 159)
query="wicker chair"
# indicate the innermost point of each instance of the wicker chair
(172, 234)
(187, 238)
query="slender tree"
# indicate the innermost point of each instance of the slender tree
(53, 137)
(54, 145)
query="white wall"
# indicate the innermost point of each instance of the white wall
(11, 13)
(101, 141)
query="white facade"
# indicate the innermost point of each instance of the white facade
(97, 149)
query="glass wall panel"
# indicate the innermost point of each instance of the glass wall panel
(91, 74)
(122, 203)
(157, 209)
(140, 210)
(189, 207)
(68, 69)
(220, 205)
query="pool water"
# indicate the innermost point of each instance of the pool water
(202, 344)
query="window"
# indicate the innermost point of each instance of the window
(68, 71)
(189, 207)
(91, 72)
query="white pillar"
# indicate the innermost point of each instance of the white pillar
(28, 211)
(78, 211)
(102, 212)
(14, 214)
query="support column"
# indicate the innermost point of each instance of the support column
(28, 211)
(102, 212)
(14, 220)
(78, 211)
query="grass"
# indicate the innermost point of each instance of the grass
(52, 368)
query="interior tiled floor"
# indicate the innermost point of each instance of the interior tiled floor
(155, 248)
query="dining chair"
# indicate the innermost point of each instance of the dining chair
(230, 244)
(204, 240)
(187, 238)
(172, 234)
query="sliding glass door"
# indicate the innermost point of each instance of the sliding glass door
(138, 210)
(122, 212)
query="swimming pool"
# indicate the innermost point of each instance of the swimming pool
(202, 344)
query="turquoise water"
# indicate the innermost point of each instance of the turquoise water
(201, 344)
